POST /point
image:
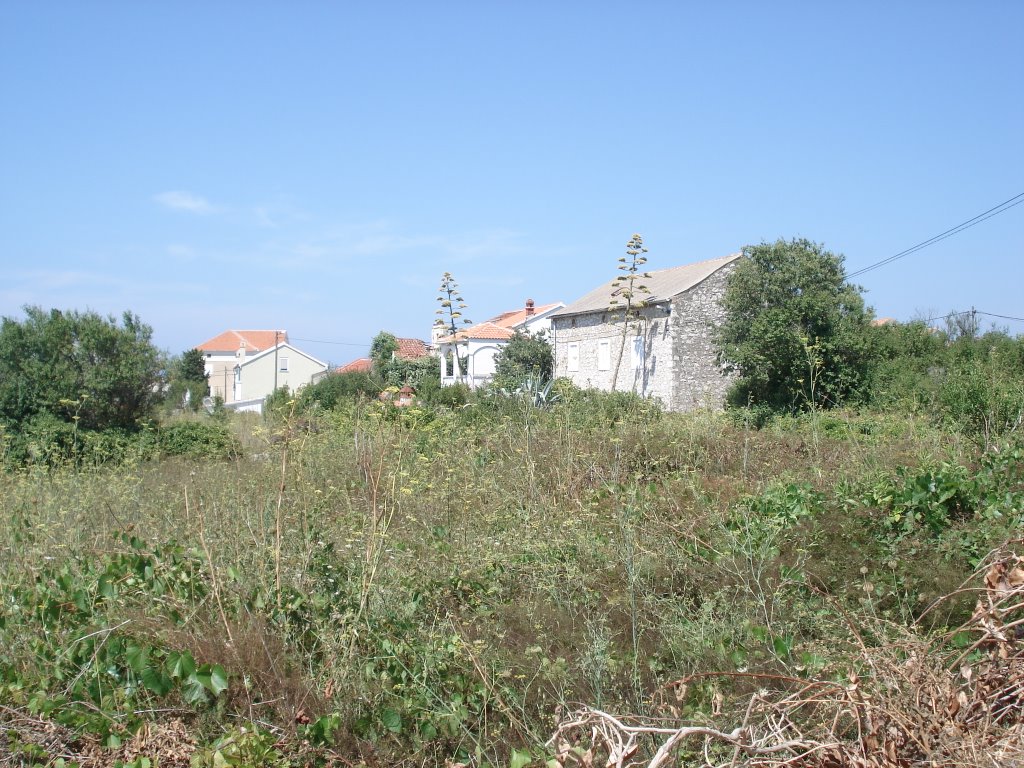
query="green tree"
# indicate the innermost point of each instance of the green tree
(80, 367)
(795, 331)
(188, 381)
(192, 366)
(524, 355)
(382, 350)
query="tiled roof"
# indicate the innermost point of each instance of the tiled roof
(488, 331)
(255, 341)
(360, 365)
(410, 349)
(519, 316)
(663, 284)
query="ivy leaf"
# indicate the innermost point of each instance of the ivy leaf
(213, 678)
(137, 658)
(180, 665)
(391, 720)
(156, 681)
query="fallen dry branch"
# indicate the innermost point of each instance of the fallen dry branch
(915, 701)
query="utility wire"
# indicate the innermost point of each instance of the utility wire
(339, 343)
(946, 317)
(974, 312)
(1001, 208)
(1002, 317)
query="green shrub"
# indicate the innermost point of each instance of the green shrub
(454, 396)
(199, 440)
(600, 408)
(50, 441)
(336, 388)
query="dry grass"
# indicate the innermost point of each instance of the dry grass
(911, 701)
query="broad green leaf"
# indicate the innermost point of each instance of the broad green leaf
(213, 678)
(519, 759)
(106, 586)
(193, 690)
(783, 646)
(391, 720)
(180, 665)
(156, 681)
(137, 658)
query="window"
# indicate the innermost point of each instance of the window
(638, 351)
(282, 364)
(604, 355)
(574, 356)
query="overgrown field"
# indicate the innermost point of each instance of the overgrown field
(454, 585)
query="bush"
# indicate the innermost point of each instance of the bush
(454, 396)
(49, 441)
(598, 407)
(336, 388)
(199, 440)
(524, 356)
(983, 395)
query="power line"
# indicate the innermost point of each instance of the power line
(1001, 316)
(974, 312)
(1001, 208)
(946, 317)
(338, 343)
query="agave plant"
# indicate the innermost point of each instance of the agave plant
(537, 392)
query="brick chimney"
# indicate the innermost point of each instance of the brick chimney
(529, 308)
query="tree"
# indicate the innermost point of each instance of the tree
(188, 381)
(192, 366)
(79, 367)
(628, 292)
(795, 331)
(524, 355)
(382, 350)
(450, 315)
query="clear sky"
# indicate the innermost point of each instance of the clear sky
(317, 166)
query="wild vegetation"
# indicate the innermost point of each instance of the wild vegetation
(371, 585)
(827, 574)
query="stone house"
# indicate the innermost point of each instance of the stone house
(668, 352)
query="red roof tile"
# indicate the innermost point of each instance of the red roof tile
(410, 349)
(360, 365)
(255, 341)
(519, 316)
(485, 331)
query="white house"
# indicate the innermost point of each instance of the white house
(476, 347)
(668, 352)
(260, 362)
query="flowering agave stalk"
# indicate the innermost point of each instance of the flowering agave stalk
(450, 316)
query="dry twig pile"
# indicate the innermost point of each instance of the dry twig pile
(911, 702)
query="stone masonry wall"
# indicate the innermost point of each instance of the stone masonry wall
(680, 363)
(696, 314)
(652, 379)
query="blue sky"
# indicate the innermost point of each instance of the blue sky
(317, 166)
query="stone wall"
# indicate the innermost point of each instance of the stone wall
(652, 378)
(680, 359)
(699, 381)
